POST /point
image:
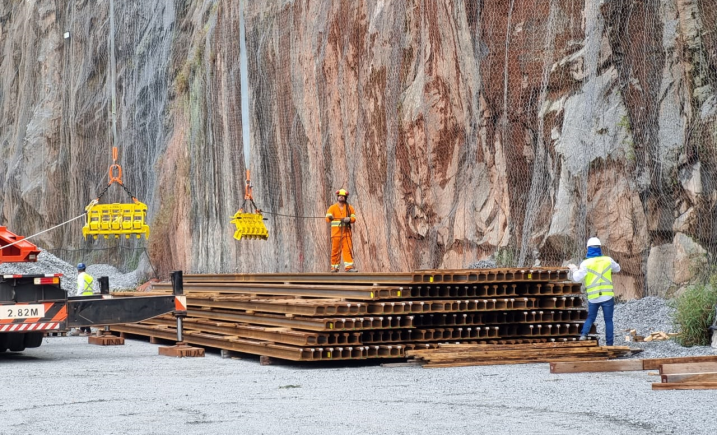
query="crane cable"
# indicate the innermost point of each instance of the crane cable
(44, 231)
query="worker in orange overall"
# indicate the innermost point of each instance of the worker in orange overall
(341, 216)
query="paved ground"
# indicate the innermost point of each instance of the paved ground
(69, 387)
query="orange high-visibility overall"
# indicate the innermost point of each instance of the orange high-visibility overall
(341, 235)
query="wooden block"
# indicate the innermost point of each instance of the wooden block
(689, 378)
(106, 340)
(181, 351)
(597, 366)
(684, 386)
(265, 360)
(698, 367)
(655, 363)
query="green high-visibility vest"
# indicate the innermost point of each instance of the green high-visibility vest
(87, 287)
(598, 279)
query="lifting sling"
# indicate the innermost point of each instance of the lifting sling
(116, 219)
(250, 225)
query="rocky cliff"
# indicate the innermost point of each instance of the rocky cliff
(463, 129)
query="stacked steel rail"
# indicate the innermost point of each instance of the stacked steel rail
(311, 317)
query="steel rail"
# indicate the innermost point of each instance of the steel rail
(312, 324)
(335, 308)
(425, 335)
(303, 278)
(543, 329)
(560, 302)
(419, 276)
(323, 309)
(285, 336)
(269, 349)
(323, 291)
(490, 275)
(408, 348)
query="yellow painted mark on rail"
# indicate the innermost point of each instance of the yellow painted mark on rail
(529, 276)
(371, 295)
(431, 279)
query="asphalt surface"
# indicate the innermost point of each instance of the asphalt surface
(67, 386)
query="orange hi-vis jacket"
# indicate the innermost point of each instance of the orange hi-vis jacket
(335, 214)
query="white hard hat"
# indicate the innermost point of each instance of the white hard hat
(593, 241)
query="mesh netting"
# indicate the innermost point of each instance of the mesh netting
(468, 133)
(509, 131)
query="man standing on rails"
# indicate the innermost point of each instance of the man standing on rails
(596, 271)
(341, 216)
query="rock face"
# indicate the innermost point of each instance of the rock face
(463, 130)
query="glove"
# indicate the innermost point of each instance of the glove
(572, 267)
(347, 220)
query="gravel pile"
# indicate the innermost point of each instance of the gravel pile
(49, 264)
(647, 315)
(482, 264)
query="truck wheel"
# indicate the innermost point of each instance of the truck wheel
(16, 342)
(33, 339)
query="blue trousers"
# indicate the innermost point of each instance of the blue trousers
(607, 307)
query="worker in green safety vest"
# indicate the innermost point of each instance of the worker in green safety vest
(84, 288)
(595, 271)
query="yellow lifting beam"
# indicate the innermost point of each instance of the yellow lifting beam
(116, 219)
(250, 225)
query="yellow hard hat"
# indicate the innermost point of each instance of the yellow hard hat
(343, 192)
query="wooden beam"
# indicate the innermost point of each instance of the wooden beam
(597, 366)
(689, 378)
(500, 353)
(479, 362)
(552, 345)
(656, 363)
(698, 367)
(627, 365)
(684, 386)
(408, 363)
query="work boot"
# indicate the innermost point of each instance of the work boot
(334, 270)
(352, 270)
(583, 338)
(73, 333)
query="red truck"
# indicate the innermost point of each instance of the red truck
(33, 304)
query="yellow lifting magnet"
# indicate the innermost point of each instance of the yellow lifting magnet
(116, 219)
(250, 225)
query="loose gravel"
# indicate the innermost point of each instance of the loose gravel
(67, 386)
